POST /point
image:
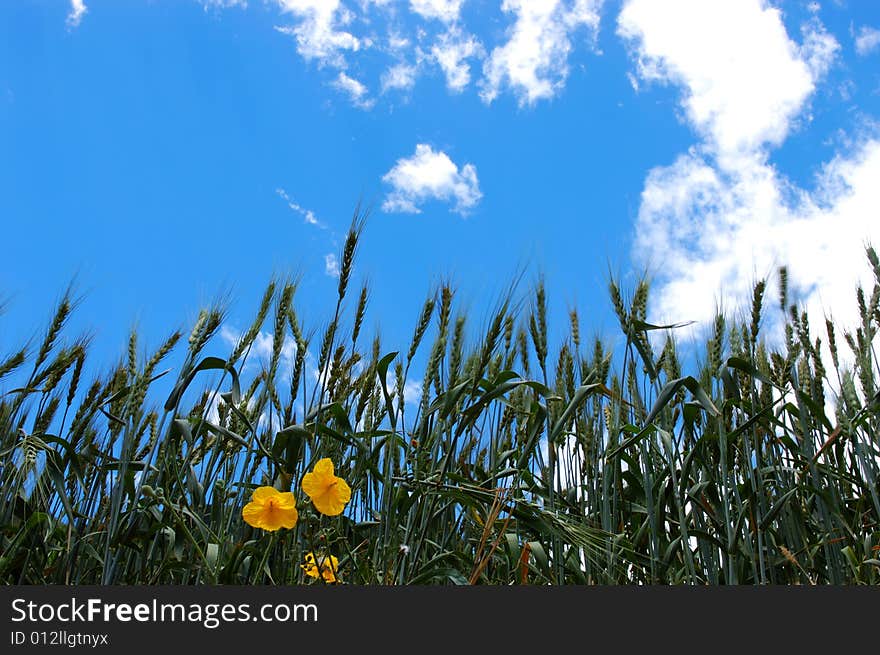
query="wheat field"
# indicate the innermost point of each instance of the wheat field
(522, 462)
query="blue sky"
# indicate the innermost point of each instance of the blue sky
(164, 152)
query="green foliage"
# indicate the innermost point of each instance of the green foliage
(612, 467)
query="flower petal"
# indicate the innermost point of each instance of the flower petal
(315, 484)
(280, 518)
(252, 513)
(309, 567)
(324, 467)
(328, 492)
(289, 517)
(285, 500)
(262, 494)
(325, 567)
(343, 490)
(329, 503)
(329, 567)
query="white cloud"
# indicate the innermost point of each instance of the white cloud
(230, 335)
(260, 351)
(819, 48)
(366, 4)
(397, 43)
(307, 214)
(223, 4)
(430, 175)
(712, 233)
(412, 392)
(744, 79)
(317, 34)
(401, 77)
(444, 10)
(451, 52)
(331, 265)
(534, 61)
(531, 60)
(77, 10)
(867, 40)
(355, 90)
(722, 216)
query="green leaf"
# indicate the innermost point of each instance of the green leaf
(577, 400)
(777, 507)
(382, 373)
(669, 389)
(540, 557)
(643, 326)
(207, 364)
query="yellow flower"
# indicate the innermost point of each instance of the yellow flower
(328, 493)
(270, 509)
(328, 566)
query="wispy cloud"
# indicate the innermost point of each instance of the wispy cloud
(444, 10)
(356, 91)
(260, 351)
(319, 32)
(223, 4)
(400, 77)
(428, 175)
(307, 214)
(534, 61)
(340, 36)
(331, 265)
(867, 40)
(451, 52)
(412, 390)
(78, 9)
